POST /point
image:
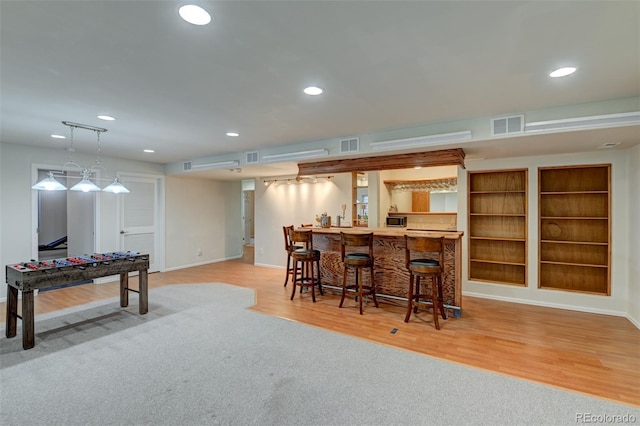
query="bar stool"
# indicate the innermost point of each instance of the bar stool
(289, 247)
(421, 267)
(304, 260)
(354, 258)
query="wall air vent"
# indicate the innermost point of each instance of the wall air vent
(252, 157)
(349, 145)
(507, 125)
(186, 166)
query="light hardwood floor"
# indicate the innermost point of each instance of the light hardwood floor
(593, 354)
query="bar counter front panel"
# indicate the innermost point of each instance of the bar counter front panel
(391, 275)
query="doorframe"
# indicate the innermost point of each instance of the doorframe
(35, 167)
(160, 217)
(247, 185)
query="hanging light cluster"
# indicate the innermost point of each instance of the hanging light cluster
(50, 183)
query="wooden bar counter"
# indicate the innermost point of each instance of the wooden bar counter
(392, 277)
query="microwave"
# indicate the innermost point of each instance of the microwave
(400, 221)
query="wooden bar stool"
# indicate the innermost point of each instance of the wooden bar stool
(289, 247)
(304, 260)
(353, 257)
(421, 266)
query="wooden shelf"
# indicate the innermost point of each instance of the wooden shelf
(497, 262)
(498, 239)
(574, 264)
(497, 192)
(422, 213)
(497, 273)
(574, 242)
(498, 214)
(571, 192)
(498, 226)
(575, 229)
(574, 217)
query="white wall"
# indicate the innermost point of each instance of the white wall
(617, 303)
(279, 205)
(633, 226)
(202, 216)
(16, 198)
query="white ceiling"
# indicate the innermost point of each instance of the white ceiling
(178, 88)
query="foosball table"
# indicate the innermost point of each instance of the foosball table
(35, 275)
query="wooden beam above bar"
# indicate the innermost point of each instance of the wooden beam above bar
(446, 157)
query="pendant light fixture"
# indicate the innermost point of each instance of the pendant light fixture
(116, 187)
(49, 184)
(86, 174)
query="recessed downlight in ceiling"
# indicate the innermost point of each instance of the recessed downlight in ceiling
(58, 136)
(106, 117)
(234, 134)
(194, 14)
(313, 91)
(562, 72)
(609, 145)
(150, 151)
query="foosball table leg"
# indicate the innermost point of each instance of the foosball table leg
(12, 311)
(143, 291)
(124, 290)
(28, 323)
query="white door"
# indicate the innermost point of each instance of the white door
(139, 217)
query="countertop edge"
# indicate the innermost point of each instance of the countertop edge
(386, 232)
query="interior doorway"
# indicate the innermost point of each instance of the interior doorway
(65, 222)
(248, 212)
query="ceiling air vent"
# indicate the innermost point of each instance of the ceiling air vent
(186, 166)
(507, 125)
(252, 157)
(349, 145)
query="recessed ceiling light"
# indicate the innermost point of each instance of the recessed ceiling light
(106, 117)
(194, 14)
(609, 145)
(58, 137)
(149, 150)
(313, 90)
(233, 134)
(562, 72)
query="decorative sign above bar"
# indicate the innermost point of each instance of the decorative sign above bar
(446, 157)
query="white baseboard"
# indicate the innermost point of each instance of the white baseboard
(266, 265)
(633, 321)
(207, 262)
(547, 304)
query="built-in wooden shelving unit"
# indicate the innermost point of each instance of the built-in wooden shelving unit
(498, 226)
(575, 228)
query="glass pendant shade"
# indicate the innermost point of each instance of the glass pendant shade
(49, 184)
(116, 187)
(85, 185)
